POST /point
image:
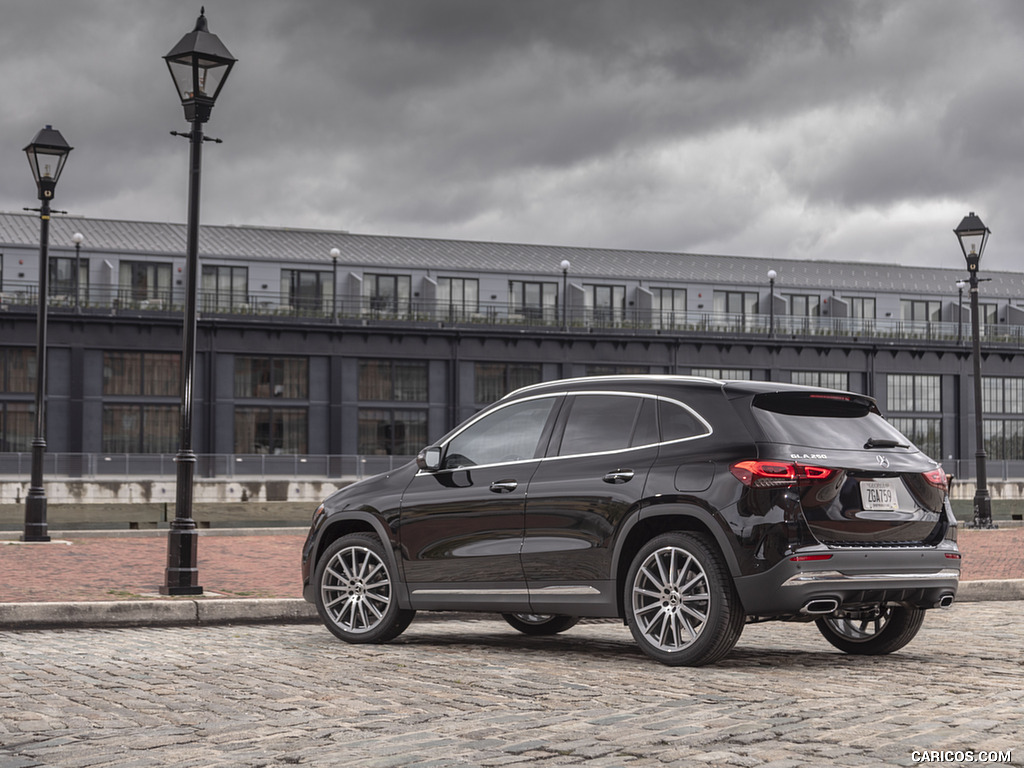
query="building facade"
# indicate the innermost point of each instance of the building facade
(321, 343)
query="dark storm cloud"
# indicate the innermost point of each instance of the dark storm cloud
(789, 127)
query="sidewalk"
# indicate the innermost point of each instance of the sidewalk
(111, 578)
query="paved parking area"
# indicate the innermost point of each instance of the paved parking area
(476, 693)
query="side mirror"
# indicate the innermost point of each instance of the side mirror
(429, 458)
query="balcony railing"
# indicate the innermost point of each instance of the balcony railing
(100, 300)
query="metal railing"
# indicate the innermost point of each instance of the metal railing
(106, 300)
(97, 466)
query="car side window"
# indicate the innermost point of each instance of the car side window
(678, 423)
(599, 423)
(508, 434)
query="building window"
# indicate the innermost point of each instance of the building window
(62, 280)
(17, 370)
(387, 295)
(722, 373)
(827, 379)
(306, 291)
(804, 305)
(458, 298)
(740, 303)
(134, 427)
(391, 431)
(914, 393)
(271, 430)
(668, 307)
(615, 370)
(393, 380)
(140, 428)
(17, 427)
(920, 310)
(155, 374)
(224, 288)
(495, 380)
(145, 284)
(605, 304)
(533, 301)
(267, 377)
(862, 308)
(926, 434)
(1002, 399)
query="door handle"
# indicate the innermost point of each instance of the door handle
(619, 476)
(504, 486)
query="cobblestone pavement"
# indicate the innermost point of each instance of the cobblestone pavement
(476, 693)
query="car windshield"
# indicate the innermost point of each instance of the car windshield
(824, 420)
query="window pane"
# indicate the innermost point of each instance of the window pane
(374, 380)
(508, 434)
(162, 374)
(411, 382)
(18, 428)
(21, 370)
(410, 432)
(677, 422)
(160, 433)
(122, 373)
(122, 427)
(599, 423)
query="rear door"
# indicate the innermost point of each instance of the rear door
(592, 478)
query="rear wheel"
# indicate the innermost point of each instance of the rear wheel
(681, 605)
(872, 632)
(356, 591)
(540, 623)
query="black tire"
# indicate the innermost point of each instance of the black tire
(680, 602)
(872, 633)
(356, 591)
(540, 623)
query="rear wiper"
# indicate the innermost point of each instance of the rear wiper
(884, 442)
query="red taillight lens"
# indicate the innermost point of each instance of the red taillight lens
(937, 477)
(808, 558)
(777, 474)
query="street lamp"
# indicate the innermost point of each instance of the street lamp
(960, 284)
(47, 154)
(77, 239)
(565, 295)
(335, 253)
(772, 274)
(199, 65)
(973, 235)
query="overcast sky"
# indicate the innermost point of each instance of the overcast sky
(778, 128)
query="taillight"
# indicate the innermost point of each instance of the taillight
(937, 477)
(778, 474)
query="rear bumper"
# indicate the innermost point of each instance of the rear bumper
(924, 578)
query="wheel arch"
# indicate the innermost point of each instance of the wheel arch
(642, 528)
(360, 521)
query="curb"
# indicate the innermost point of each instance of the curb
(184, 612)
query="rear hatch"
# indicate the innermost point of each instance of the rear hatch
(859, 480)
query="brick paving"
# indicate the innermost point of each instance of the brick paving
(267, 565)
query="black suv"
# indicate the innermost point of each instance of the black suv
(685, 506)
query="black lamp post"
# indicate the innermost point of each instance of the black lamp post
(565, 293)
(335, 253)
(960, 285)
(772, 274)
(46, 155)
(77, 239)
(973, 235)
(199, 65)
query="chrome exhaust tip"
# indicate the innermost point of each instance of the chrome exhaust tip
(945, 601)
(820, 606)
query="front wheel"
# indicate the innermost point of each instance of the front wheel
(540, 623)
(681, 605)
(356, 591)
(872, 632)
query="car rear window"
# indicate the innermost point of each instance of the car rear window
(823, 420)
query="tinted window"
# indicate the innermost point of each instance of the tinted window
(509, 434)
(646, 430)
(599, 423)
(677, 422)
(830, 421)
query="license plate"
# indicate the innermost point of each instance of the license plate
(878, 495)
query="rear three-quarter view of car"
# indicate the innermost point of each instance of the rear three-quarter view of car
(686, 507)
